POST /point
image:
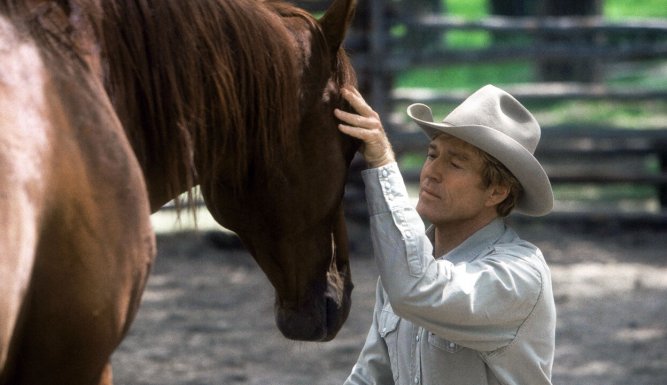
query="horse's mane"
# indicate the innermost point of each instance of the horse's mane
(177, 66)
(177, 71)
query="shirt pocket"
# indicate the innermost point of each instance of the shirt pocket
(443, 344)
(388, 329)
(460, 365)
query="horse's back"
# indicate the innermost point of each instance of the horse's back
(76, 241)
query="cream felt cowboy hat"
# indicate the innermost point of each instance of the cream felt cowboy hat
(496, 123)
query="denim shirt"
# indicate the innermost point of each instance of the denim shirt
(483, 313)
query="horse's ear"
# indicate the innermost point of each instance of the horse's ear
(336, 21)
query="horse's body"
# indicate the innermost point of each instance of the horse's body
(108, 111)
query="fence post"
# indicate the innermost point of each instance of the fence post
(586, 71)
(377, 63)
(662, 161)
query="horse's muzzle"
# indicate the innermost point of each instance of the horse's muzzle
(317, 320)
(321, 315)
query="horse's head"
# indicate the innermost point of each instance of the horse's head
(290, 218)
(238, 97)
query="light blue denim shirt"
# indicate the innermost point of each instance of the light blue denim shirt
(483, 313)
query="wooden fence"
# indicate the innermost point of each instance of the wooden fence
(379, 53)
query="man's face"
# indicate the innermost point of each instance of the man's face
(451, 191)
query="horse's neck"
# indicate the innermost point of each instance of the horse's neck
(147, 87)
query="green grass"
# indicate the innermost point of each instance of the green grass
(467, 76)
(469, 9)
(613, 9)
(471, 76)
(620, 9)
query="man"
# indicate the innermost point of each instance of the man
(466, 301)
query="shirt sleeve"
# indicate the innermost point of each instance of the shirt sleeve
(373, 365)
(479, 304)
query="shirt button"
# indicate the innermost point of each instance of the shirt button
(385, 173)
(417, 338)
(384, 330)
(452, 345)
(416, 380)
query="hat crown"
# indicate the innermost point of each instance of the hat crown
(494, 108)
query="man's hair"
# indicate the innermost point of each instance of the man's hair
(494, 172)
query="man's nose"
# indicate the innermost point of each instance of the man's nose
(431, 173)
(435, 168)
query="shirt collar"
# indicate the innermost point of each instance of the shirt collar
(475, 245)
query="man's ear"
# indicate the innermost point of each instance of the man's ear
(497, 194)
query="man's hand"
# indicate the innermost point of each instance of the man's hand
(366, 126)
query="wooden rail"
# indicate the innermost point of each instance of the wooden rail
(554, 91)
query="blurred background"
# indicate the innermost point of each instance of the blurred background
(594, 72)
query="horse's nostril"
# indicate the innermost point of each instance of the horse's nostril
(333, 318)
(301, 325)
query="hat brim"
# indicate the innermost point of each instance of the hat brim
(537, 198)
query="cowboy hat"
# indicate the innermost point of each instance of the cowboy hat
(496, 123)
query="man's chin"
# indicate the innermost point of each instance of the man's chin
(424, 207)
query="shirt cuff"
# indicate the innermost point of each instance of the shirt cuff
(385, 189)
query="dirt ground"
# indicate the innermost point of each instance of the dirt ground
(207, 314)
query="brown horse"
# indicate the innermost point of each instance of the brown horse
(108, 110)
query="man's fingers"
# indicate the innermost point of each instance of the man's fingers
(350, 118)
(347, 117)
(357, 102)
(357, 120)
(354, 131)
(365, 125)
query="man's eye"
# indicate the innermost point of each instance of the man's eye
(456, 165)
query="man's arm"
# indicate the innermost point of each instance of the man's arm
(480, 304)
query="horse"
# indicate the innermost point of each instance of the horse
(111, 108)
